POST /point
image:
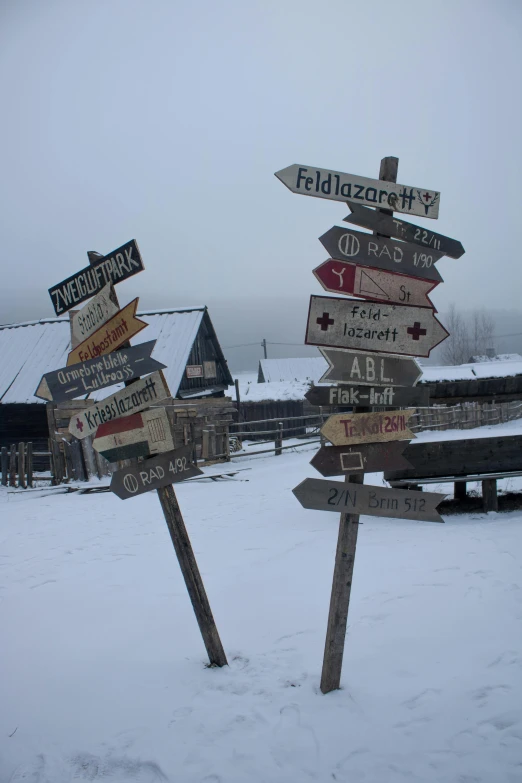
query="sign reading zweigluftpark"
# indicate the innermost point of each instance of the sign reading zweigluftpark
(369, 343)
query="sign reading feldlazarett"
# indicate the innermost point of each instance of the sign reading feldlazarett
(122, 263)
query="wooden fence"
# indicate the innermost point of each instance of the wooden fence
(17, 465)
(464, 416)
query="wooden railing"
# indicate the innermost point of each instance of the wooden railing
(17, 464)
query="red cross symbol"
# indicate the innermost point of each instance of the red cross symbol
(325, 321)
(79, 424)
(416, 331)
(427, 196)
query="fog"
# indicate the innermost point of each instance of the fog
(165, 122)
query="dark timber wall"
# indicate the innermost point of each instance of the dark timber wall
(25, 422)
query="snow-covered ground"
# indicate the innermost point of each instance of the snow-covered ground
(103, 673)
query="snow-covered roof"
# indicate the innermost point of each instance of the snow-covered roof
(251, 391)
(29, 350)
(503, 366)
(289, 370)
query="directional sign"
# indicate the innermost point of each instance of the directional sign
(381, 253)
(367, 369)
(344, 429)
(93, 315)
(133, 399)
(115, 267)
(140, 435)
(386, 396)
(340, 277)
(86, 377)
(324, 183)
(365, 499)
(364, 458)
(392, 227)
(112, 335)
(154, 473)
(372, 326)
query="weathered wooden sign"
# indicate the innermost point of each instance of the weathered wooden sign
(365, 458)
(119, 265)
(94, 314)
(154, 473)
(381, 253)
(86, 377)
(324, 495)
(139, 435)
(386, 396)
(393, 227)
(344, 429)
(372, 326)
(338, 186)
(109, 337)
(194, 370)
(340, 277)
(367, 369)
(133, 399)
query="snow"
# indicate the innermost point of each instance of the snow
(103, 667)
(288, 370)
(433, 374)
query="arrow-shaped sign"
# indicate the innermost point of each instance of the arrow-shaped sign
(340, 277)
(112, 335)
(86, 377)
(364, 458)
(349, 498)
(385, 396)
(381, 253)
(345, 429)
(372, 326)
(133, 399)
(140, 435)
(392, 227)
(154, 473)
(368, 368)
(93, 315)
(324, 183)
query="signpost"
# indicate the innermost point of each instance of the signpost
(392, 227)
(381, 253)
(133, 399)
(372, 326)
(86, 377)
(154, 473)
(385, 396)
(95, 313)
(325, 183)
(140, 435)
(340, 277)
(368, 368)
(343, 429)
(110, 336)
(365, 457)
(351, 498)
(122, 263)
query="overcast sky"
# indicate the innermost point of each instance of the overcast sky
(165, 120)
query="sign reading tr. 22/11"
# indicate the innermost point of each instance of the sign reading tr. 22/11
(324, 183)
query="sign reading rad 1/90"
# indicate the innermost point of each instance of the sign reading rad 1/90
(324, 183)
(154, 473)
(119, 265)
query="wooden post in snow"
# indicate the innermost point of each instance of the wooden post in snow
(4, 463)
(279, 440)
(21, 465)
(12, 466)
(29, 463)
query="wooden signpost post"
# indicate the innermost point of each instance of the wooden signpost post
(385, 396)
(110, 336)
(369, 368)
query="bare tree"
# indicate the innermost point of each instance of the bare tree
(482, 333)
(472, 336)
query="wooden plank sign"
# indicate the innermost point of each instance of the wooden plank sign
(139, 435)
(392, 227)
(381, 253)
(338, 186)
(364, 458)
(140, 395)
(344, 429)
(93, 315)
(155, 473)
(109, 337)
(367, 369)
(86, 377)
(372, 326)
(386, 396)
(335, 496)
(340, 277)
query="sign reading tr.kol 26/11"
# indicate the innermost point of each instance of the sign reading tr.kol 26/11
(324, 183)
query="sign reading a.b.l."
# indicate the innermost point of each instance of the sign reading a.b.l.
(113, 334)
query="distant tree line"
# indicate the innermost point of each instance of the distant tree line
(472, 334)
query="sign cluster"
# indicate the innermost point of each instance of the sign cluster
(366, 342)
